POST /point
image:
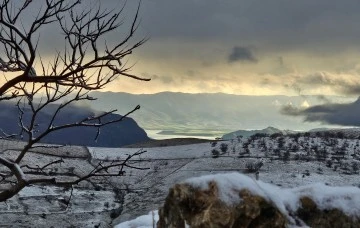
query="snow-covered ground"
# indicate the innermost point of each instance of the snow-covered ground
(143, 221)
(170, 152)
(307, 164)
(286, 161)
(287, 200)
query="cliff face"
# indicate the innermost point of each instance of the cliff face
(217, 203)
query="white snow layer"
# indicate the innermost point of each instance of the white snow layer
(345, 198)
(144, 221)
(200, 150)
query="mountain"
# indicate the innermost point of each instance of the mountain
(351, 133)
(113, 135)
(206, 112)
(248, 133)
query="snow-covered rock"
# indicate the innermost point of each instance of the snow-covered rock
(236, 200)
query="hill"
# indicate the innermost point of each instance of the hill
(113, 135)
(216, 114)
(288, 161)
(248, 133)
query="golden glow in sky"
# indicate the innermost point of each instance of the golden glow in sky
(239, 47)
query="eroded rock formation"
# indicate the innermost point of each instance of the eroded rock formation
(203, 208)
(200, 207)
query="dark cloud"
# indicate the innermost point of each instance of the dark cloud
(278, 24)
(323, 99)
(51, 38)
(239, 53)
(162, 78)
(340, 83)
(337, 114)
(290, 110)
(321, 25)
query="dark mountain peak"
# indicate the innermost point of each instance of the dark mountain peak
(117, 134)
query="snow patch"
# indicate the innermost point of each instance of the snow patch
(287, 200)
(226, 183)
(144, 221)
(34, 191)
(346, 199)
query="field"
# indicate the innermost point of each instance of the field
(286, 161)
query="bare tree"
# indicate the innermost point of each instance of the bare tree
(85, 63)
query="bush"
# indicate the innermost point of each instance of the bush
(329, 163)
(276, 135)
(286, 156)
(215, 153)
(253, 167)
(223, 147)
(355, 166)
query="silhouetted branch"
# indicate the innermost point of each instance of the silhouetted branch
(38, 86)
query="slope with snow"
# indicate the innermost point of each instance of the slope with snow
(288, 161)
(287, 200)
(305, 166)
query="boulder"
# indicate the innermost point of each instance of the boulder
(315, 217)
(214, 202)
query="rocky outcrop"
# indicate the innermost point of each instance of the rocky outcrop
(201, 206)
(315, 217)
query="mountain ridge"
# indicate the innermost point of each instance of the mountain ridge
(117, 134)
(208, 111)
(247, 133)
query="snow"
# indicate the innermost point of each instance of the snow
(144, 221)
(302, 175)
(345, 198)
(34, 191)
(287, 200)
(229, 182)
(226, 183)
(170, 152)
(174, 164)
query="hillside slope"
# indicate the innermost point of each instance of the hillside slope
(248, 133)
(184, 113)
(114, 135)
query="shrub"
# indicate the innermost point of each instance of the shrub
(223, 147)
(253, 166)
(215, 153)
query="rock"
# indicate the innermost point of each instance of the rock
(314, 217)
(203, 208)
(203, 202)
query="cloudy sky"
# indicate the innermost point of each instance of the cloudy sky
(248, 47)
